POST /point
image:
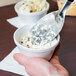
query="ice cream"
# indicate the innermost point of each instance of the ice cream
(32, 6)
(29, 43)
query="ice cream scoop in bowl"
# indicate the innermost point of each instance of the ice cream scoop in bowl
(34, 51)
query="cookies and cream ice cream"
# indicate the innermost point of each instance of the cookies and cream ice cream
(29, 43)
(32, 6)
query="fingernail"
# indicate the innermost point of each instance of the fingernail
(20, 58)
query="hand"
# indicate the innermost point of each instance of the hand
(41, 67)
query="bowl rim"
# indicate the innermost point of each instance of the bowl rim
(31, 49)
(33, 13)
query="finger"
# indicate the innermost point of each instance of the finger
(56, 52)
(55, 59)
(61, 69)
(21, 59)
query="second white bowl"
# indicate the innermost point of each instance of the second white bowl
(30, 18)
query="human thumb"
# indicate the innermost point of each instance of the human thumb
(20, 58)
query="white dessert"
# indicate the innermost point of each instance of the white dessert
(29, 43)
(33, 6)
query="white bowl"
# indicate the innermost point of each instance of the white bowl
(43, 53)
(30, 18)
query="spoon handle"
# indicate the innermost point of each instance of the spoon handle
(65, 7)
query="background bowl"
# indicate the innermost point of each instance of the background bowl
(30, 18)
(43, 53)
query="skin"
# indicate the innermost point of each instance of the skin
(41, 67)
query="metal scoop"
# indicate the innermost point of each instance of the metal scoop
(48, 27)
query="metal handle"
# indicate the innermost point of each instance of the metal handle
(65, 7)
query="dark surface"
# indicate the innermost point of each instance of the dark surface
(67, 54)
